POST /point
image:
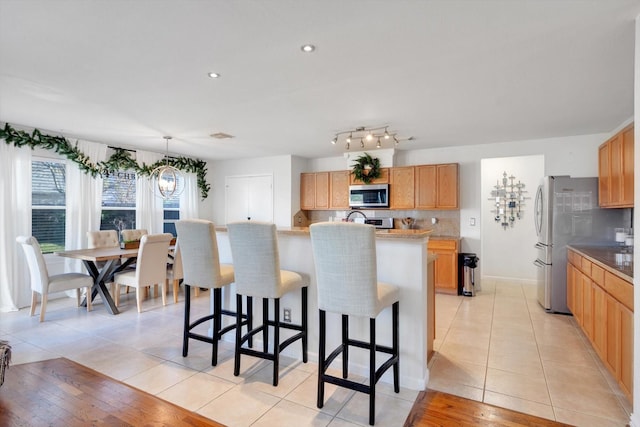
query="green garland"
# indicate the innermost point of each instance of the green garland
(366, 168)
(120, 160)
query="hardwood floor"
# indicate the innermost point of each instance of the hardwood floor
(434, 408)
(59, 392)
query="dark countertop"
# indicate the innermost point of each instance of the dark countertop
(606, 257)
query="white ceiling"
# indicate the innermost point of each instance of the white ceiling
(447, 72)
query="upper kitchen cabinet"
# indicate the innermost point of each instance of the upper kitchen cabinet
(382, 179)
(615, 170)
(314, 190)
(437, 186)
(402, 188)
(339, 189)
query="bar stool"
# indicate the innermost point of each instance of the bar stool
(346, 276)
(201, 268)
(254, 247)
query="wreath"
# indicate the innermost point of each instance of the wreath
(366, 168)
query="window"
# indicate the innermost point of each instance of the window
(48, 203)
(118, 201)
(172, 212)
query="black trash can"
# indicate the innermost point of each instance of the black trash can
(467, 262)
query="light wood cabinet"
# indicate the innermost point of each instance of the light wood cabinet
(339, 190)
(602, 304)
(615, 170)
(446, 265)
(429, 187)
(437, 186)
(382, 179)
(314, 190)
(402, 188)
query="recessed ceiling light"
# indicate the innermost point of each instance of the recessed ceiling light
(213, 75)
(308, 48)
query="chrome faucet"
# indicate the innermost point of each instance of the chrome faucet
(356, 211)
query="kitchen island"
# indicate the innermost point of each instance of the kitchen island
(402, 261)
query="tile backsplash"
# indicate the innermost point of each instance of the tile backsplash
(447, 222)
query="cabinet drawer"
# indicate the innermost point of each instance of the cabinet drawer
(619, 289)
(573, 258)
(585, 266)
(597, 275)
(447, 245)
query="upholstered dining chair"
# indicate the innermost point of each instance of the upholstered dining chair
(256, 260)
(346, 276)
(44, 284)
(175, 272)
(201, 267)
(133, 235)
(102, 239)
(151, 268)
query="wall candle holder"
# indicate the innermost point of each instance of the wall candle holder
(509, 200)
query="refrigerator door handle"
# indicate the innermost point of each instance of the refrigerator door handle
(539, 263)
(537, 211)
(540, 245)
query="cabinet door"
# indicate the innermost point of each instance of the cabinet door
(587, 306)
(577, 298)
(426, 186)
(627, 168)
(402, 188)
(571, 287)
(322, 190)
(604, 178)
(339, 190)
(599, 320)
(249, 198)
(615, 169)
(446, 265)
(626, 350)
(307, 191)
(613, 336)
(447, 186)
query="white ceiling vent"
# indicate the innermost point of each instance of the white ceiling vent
(221, 135)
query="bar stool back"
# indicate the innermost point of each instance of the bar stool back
(201, 268)
(346, 276)
(254, 247)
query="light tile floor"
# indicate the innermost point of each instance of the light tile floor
(500, 347)
(145, 351)
(497, 347)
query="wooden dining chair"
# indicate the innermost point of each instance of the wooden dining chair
(151, 268)
(44, 284)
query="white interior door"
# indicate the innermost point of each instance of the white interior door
(261, 198)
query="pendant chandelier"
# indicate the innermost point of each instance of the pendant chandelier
(368, 136)
(166, 181)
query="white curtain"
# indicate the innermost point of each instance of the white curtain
(149, 209)
(15, 220)
(189, 197)
(84, 201)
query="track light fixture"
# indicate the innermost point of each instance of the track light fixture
(367, 134)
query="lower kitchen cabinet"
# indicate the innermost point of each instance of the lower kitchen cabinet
(446, 265)
(602, 304)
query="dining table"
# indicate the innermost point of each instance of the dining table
(102, 264)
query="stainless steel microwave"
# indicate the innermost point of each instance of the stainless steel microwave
(369, 196)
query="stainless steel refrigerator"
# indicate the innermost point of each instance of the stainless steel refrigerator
(567, 212)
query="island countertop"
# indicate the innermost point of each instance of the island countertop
(392, 233)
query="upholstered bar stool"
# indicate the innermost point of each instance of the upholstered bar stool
(346, 275)
(254, 248)
(201, 268)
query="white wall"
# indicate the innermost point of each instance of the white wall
(509, 253)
